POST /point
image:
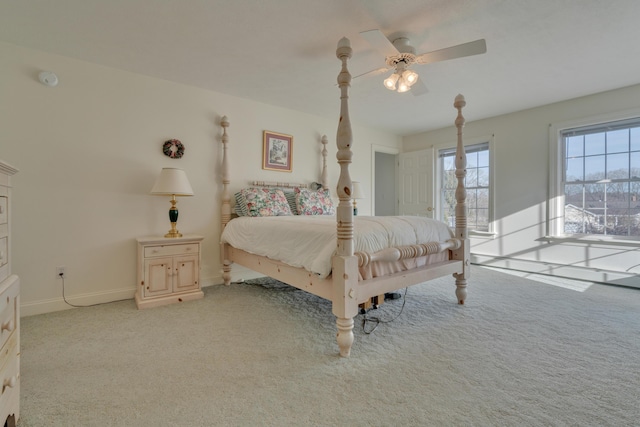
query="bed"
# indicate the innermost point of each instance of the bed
(347, 263)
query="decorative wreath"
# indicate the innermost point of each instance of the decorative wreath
(173, 148)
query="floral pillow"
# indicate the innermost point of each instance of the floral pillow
(310, 202)
(266, 202)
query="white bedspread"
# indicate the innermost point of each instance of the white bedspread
(310, 241)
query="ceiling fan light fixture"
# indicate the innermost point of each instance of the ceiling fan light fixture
(390, 82)
(410, 77)
(403, 86)
(400, 55)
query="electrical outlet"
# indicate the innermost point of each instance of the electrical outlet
(60, 272)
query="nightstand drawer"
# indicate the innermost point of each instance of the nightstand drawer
(164, 250)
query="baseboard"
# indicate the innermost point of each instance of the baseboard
(239, 274)
(561, 270)
(58, 304)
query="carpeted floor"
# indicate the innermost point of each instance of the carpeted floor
(519, 353)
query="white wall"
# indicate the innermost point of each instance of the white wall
(522, 187)
(89, 152)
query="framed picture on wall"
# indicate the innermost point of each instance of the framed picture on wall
(277, 151)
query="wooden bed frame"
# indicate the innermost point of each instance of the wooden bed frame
(342, 287)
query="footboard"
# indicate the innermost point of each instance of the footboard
(407, 252)
(367, 288)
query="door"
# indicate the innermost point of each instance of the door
(186, 273)
(416, 183)
(157, 276)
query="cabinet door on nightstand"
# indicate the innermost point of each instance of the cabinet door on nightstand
(186, 269)
(157, 276)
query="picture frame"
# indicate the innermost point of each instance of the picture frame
(277, 151)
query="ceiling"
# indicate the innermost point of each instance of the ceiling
(282, 52)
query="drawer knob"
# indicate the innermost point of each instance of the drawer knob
(7, 326)
(9, 382)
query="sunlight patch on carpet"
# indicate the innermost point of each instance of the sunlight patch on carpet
(561, 282)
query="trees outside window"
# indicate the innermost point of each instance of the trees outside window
(601, 179)
(477, 184)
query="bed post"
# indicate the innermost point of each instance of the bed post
(324, 177)
(226, 201)
(463, 253)
(344, 264)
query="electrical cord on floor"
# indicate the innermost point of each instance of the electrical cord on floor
(84, 306)
(377, 321)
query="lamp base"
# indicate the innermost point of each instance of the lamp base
(173, 233)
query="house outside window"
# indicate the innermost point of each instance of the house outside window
(477, 184)
(600, 186)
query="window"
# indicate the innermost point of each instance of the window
(477, 183)
(601, 179)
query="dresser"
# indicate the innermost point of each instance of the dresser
(168, 270)
(9, 309)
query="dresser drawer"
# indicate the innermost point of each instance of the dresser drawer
(4, 217)
(4, 251)
(9, 351)
(164, 250)
(8, 310)
(10, 386)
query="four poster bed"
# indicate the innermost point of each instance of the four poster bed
(345, 259)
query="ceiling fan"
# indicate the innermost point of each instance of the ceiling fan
(400, 56)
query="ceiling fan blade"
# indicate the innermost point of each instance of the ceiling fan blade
(466, 49)
(419, 88)
(380, 42)
(373, 72)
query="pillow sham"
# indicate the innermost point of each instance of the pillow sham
(310, 202)
(291, 200)
(266, 202)
(241, 204)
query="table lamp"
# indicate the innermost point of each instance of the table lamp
(356, 193)
(172, 182)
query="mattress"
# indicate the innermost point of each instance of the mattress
(310, 241)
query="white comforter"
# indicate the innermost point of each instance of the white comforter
(310, 241)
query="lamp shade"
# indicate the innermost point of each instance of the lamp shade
(356, 191)
(172, 181)
(390, 82)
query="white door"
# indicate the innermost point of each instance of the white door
(416, 183)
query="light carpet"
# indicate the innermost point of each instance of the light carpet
(519, 353)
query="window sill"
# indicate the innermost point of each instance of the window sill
(483, 234)
(601, 240)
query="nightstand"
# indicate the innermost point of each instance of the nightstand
(168, 270)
